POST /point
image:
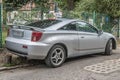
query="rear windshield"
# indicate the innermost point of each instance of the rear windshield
(44, 23)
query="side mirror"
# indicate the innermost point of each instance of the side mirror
(100, 32)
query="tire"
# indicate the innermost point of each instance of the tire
(108, 49)
(56, 56)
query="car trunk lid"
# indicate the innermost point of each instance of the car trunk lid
(25, 32)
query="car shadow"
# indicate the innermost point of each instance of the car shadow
(41, 63)
(90, 56)
(37, 64)
(83, 57)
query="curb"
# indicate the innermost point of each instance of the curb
(14, 67)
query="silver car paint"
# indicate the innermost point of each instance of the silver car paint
(77, 43)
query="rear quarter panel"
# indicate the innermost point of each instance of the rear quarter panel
(68, 38)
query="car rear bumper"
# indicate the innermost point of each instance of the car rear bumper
(33, 50)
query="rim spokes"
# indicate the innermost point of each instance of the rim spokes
(57, 56)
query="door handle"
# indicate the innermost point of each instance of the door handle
(82, 37)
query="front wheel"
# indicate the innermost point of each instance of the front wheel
(109, 47)
(56, 56)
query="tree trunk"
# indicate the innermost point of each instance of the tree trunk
(70, 4)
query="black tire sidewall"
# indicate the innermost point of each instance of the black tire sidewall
(108, 51)
(48, 58)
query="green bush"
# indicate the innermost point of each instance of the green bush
(4, 35)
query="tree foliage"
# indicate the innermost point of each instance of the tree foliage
(110, 7)
(67, 4)
(16, 4)
(85, 5)
(62, 4)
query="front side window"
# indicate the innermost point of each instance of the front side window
(85, 27)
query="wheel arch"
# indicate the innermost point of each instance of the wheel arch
(63, 45)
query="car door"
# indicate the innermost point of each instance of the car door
(89, 40)
(72, 39)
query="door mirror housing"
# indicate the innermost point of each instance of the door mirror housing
(100, 32)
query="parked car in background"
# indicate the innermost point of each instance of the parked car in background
(56, 40)
(19, 22)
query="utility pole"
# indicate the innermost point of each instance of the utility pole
(94, 17)
(0, 23)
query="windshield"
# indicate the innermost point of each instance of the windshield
(44, 23)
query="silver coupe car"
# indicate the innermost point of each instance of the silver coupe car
(56, 40)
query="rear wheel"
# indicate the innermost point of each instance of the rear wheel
(56, 56)
(108, 49)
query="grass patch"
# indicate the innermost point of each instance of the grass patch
(8, 65)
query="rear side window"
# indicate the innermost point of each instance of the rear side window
(44, 23)
(71, 27)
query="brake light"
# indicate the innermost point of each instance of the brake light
(36, 36)
(8, 31)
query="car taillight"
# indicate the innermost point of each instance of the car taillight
(36, 36)
(8, 31)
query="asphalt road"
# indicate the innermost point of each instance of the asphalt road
(72, 69)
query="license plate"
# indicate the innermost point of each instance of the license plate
(17, 33)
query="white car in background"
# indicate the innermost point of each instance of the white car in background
(19, 22)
